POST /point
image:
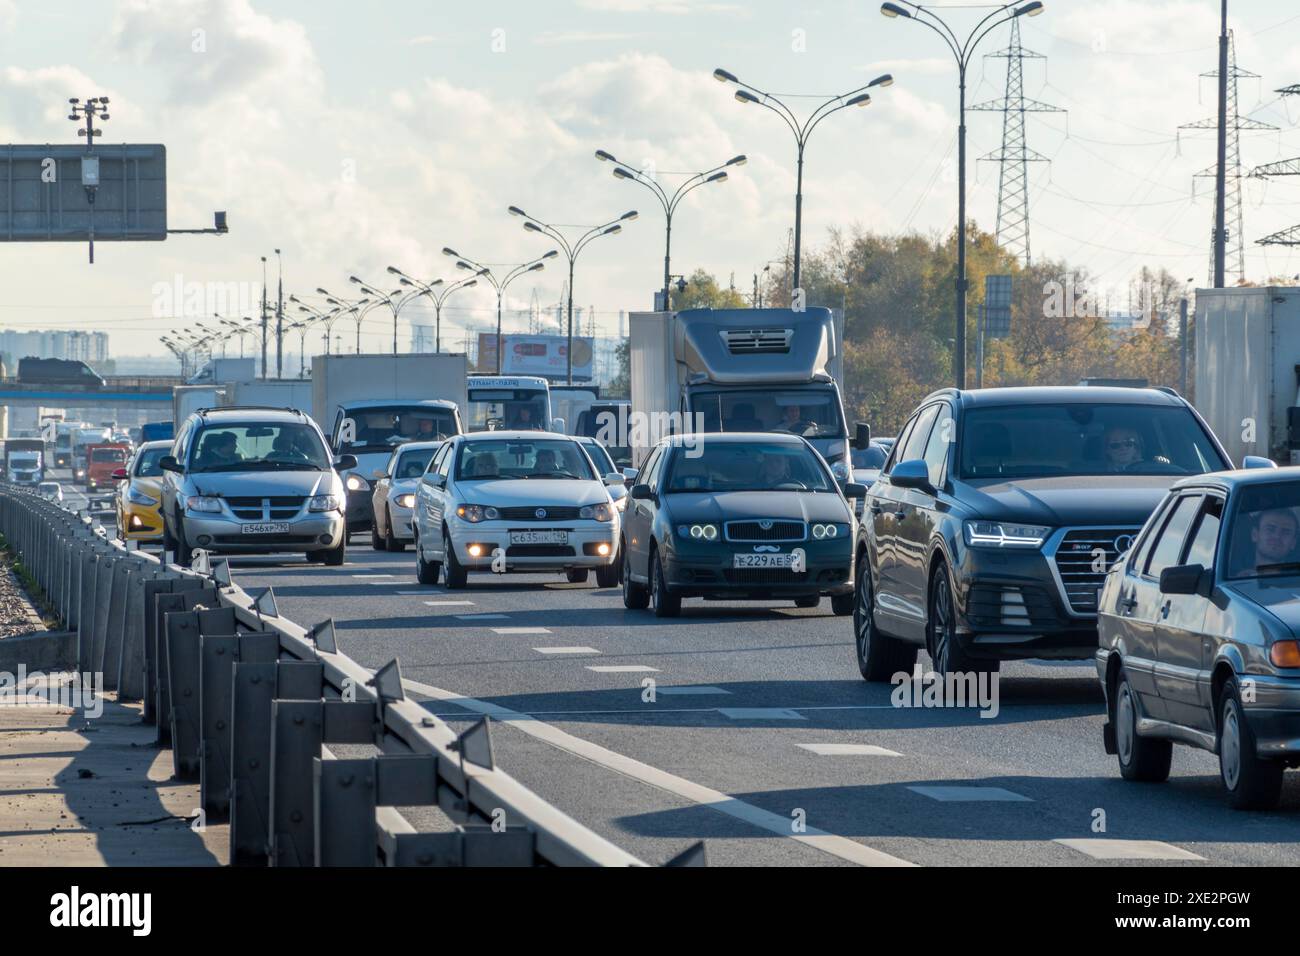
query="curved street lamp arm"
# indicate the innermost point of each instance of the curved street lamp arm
(975, 41)
(784, 111)
(941, 28)
(785, 115)
(693, 183)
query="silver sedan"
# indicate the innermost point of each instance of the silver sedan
(393, 497)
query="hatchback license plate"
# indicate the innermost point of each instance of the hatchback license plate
(762, 560)
(539, 537)
(266, 527)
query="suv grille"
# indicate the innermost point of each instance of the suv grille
(753, 531)
(529, 513)
(1074, 558)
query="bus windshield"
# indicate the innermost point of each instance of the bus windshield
(497, 409)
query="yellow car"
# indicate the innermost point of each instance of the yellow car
(139, 494)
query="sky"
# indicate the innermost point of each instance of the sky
(357, 136)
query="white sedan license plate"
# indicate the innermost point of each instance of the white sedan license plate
(761, 561)
(266, 527)
(539, 537)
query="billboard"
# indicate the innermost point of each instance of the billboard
(542, 355)
(59, 193)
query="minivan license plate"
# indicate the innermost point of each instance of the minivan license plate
(266, 527)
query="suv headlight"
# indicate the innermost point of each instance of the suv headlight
(138, 497)
(324, 503)
(1004, 534)
(406, 501)
(600, 512)
(204, 503)
(699, 532)
(355, 482)
(476, 513)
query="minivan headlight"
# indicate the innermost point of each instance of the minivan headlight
(1004, 534)
(324, 503)
(203, 503)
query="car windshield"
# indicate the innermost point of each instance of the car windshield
(522, 458)
(146, 465)
(1264, 531)
(108, 454)
(1083, 438)
(412, 464)
(813, 413)
(379, 429)
(747, 466)
(286, 446)
(873, 456)
(600, 457)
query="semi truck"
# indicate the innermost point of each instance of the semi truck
(367, 404)
(731, 370)
(1248, 370)
(25, 460)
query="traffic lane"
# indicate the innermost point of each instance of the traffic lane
(534, 686)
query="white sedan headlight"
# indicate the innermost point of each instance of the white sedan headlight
(406, 501)
(600, 512)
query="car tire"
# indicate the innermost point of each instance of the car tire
(575, 575)
(456, 575)
(426, 572)
(880, 657)
(636, 597)
(315, 557)
(391, 543)
(608, 576)
(1142, 759)
(665, 603)
(946, 650)
(336, 557)
(376, 542)
(1250, 782)
(842, 604)
(808, 600)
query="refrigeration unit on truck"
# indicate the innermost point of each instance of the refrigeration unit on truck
(499, 402)
(25, 460)
(739, 370)
(367, 404)
(1248, 370)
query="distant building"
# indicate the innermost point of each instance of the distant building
(88, 347)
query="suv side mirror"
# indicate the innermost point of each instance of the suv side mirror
(1181, 579)
(912, 474)
(345, 462)
(169, 463)
(861, 436)
(641, 493)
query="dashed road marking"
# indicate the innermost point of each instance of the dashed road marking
(961, 794)
(622, 669)
(760, 713)
(848, 750)
(1110, 849)
(566, 650)
(368, 576)
(774, 823)
(689, 689)
(521, 630)
(449, 603)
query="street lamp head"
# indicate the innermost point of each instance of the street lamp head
(532, 227)
(449, 251)
(885, 79)
(321, 291)
(621, 173)
(628, 216)
(894, 10)
(744, 96)
(722, 76)
(719, 177)
(393, 270)
(462, 264)
(470, 283)
(537, 267)
(605, 157)
(612, 230)
(514, 211)
(551, 255)
(356, 280)
(433, 283)
(740, 160)
(862, 99)
(1030, 9)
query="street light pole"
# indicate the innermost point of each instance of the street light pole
(427, 288)
(571, 251)
(961, 51)
(745, 93)
(479, 269)
(626, 171)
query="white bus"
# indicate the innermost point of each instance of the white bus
(501, 402)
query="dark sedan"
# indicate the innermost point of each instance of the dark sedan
(737, 517)
(1199, 630)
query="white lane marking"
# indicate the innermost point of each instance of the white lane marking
(448, 603)
(1109, 849)
(848, 750)
(760, 713)
(521, 630)
(481, 617)
(623, 669)
(566, 650)
(960, 794)
(688, 689)
(774, 823)
(367, 576)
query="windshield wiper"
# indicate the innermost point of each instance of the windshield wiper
(551, 474)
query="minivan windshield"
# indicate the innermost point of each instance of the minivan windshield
(1084, 438)
(269, 446)
(812, 413)
(747, 466)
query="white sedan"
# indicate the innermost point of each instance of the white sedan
(394, 495)
(514, 501)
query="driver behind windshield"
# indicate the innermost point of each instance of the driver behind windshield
(792, 420)
(774, 470)
(219, 449)
(1123, 448)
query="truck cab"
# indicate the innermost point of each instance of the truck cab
(102, 460)
(25, 460)
(741, 370)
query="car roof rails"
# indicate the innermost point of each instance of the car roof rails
(248, 408)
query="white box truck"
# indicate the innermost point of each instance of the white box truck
(271, 392)
(1248, 370)
(368, 404)
(188, 399)
(730, 370)
(223, 370)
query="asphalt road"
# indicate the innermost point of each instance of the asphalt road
(660, 733)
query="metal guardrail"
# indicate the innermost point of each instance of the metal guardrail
(251, 703)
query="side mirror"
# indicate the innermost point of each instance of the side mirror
(345, 462)
(1181, 579)
(119, 475)
(912, 474)
(1258, 461)
(169, 463)
(437, 479)
(854, 490)
(861, 436)
(557, 425)
(641, 493)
